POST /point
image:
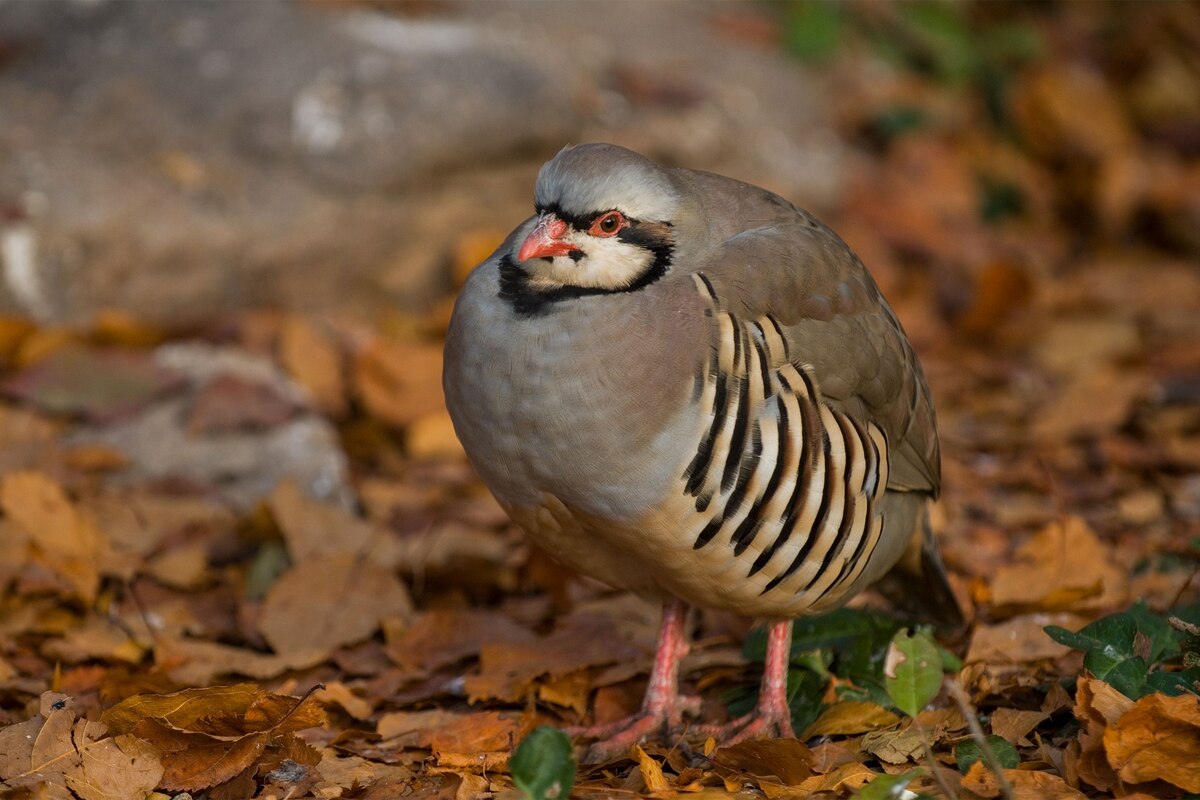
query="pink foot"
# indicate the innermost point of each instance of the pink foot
(662, 709)
(771, 719)
(615, 738)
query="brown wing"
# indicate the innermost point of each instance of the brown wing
(835, 320)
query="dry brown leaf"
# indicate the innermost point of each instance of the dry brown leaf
(1157, 739)
(120, 768)
(849, 718)
(181, 709)
(1026, 784)
(1014, 725)
(312, 528)
(844, 779)
(1077, 345)
(1097, 705)
(194, 761)
(508, 671)
(1020, 640)
(337, 693)
(54, 750)
(568, 691)
(183, 567)
(1047, 109)
(1000, 289)
(70, 539)
(399, 382)
(1092, 403)
(432, 436)
(230, 403)
(328, 601)
(441, 637)
(484, 731)
(828, 756)
(413, 727)
(1062, 567)
(95, 638)
(312, 357)
(651, 771)
(473, 787)
(898, 746)
(339, 774)
(193, 662)
(786, 761)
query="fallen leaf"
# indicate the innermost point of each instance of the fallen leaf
(432, 436)
(1062, 567)
(788, 761)
(230, 403)
(312, 528)
(181, 709)
(399, 382)
(1015, 724)
(120, 768)
(195, 761)
(1157, 739)
(328, 601)
(1097, 705)
(313, 358)
(441, 637)
(1091, 403)
(337, 693)
(507, 671)
(1020, 640)
(100, 385)
(849, 718)
(38, 504)
(1026, 785)
(651, 771)
(481, 732)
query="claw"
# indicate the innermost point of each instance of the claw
(663, 708)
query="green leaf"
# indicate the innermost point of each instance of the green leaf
(886, 787)
(913, 671)
(1121, 647)
(543, 766)
(1173, 683)
(968, 752)
(813, 28)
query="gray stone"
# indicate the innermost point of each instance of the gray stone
(242, 466)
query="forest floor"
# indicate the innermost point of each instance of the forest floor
(176, 618)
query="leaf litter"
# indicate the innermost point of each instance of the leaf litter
(1046, 270)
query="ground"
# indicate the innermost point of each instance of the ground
(243, 554)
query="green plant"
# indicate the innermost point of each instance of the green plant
(543, 766)
(1140, 652)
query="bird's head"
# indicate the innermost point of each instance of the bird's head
(603, 224)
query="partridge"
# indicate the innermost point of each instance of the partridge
(686, 386)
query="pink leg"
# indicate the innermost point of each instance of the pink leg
(771, 718)
(662, 707)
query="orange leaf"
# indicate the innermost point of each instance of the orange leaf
(193, 761)
(1158, 739)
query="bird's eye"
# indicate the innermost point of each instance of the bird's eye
(607, 224)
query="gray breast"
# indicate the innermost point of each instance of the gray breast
(587, 401)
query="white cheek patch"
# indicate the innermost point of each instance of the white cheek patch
(607, 263)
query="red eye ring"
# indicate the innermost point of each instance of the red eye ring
(607, 224)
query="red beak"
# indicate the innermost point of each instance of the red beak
(545, 240)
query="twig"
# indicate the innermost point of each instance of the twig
(989, 757)
(1179, 595)
(933, 765)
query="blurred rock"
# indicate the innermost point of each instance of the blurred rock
(242, 463)
(178, 159)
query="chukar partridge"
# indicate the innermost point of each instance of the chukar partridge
(686, 386)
